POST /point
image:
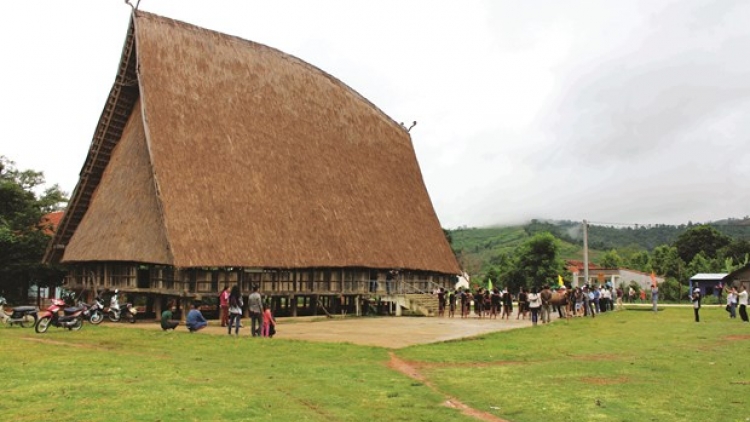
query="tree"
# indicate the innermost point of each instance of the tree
(536, 262)
(611, 259)
(666, 261)
(700, 238)
(699, 264)
(639, 260)
(23, 238)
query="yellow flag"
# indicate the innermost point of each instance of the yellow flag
(559, 280)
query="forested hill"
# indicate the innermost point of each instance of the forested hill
(489, 242)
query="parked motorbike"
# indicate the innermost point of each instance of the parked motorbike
(25, 316)
(93, 313)
(126, 313)
(59, 316)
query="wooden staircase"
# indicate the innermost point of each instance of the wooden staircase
(423, 304)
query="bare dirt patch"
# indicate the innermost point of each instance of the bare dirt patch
(388, 332)
(604, 381)
(738, 337)
(408, 369)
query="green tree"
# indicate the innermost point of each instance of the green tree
(23, 239)
(700, 238)
(536, 262)
(699, 264)
(611, 259)
(666, 261)
(639, 260)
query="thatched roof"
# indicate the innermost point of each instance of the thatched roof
(236, 154)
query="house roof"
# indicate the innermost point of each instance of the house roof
(577, 266)
(709, 276)
(51, 220)
(220, 151)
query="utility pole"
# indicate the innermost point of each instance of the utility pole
(585, 252)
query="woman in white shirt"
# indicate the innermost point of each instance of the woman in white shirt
(535, 302)
(742, 300)
(732, 302)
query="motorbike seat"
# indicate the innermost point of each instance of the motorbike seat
(66, 318)
(73, 310)
(24, 309)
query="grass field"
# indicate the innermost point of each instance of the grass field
(626, 366)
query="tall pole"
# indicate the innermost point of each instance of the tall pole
(585, 252)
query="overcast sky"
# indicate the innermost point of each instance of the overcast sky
(621, 112)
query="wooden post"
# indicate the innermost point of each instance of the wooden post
(293, 301)
(157, 307)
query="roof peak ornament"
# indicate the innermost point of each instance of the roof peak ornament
(131, 4)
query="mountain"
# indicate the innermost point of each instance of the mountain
(488, 243)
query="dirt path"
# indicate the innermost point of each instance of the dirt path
(413, 372)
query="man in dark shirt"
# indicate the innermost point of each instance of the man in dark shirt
(166, 320)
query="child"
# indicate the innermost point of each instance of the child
(268, 322)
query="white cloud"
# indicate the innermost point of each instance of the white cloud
(627, 112)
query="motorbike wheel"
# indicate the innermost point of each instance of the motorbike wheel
(28, 321)
(42, 325)
(114, 317)
(96, 317)
(77, 324)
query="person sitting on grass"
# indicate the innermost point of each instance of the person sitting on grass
(195, 319)
(166, 320)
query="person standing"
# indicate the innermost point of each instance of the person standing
(495, 303)
(452, 303)
(507, 304)
(732, 302)
(441, 302)
(464, 300)
(479, 303)
(619, 293)
(654, 296)
(742, 301)
(224, 306)
(697, 303)
(268, 322)
(534, 304)
(255, 309)
(546, 297)
(235, 310)
(523, 303)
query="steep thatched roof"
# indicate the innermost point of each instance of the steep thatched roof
(236, 154)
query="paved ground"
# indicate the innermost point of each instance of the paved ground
(389, 332)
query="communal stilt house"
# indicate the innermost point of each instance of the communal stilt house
(220, 161)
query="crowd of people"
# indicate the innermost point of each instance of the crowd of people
(585, 301)
(534, 303)
(262, 321)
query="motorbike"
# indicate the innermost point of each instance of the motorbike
(59, 316)
(127, 313)
(93, 313)
(25, 316)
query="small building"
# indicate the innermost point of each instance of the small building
(614, 276)
(218, 161)
(709, 283)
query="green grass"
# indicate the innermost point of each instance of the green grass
(633, 365)
(639, 366)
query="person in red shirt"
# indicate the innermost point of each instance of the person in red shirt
(224, 306)
(268, 322)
